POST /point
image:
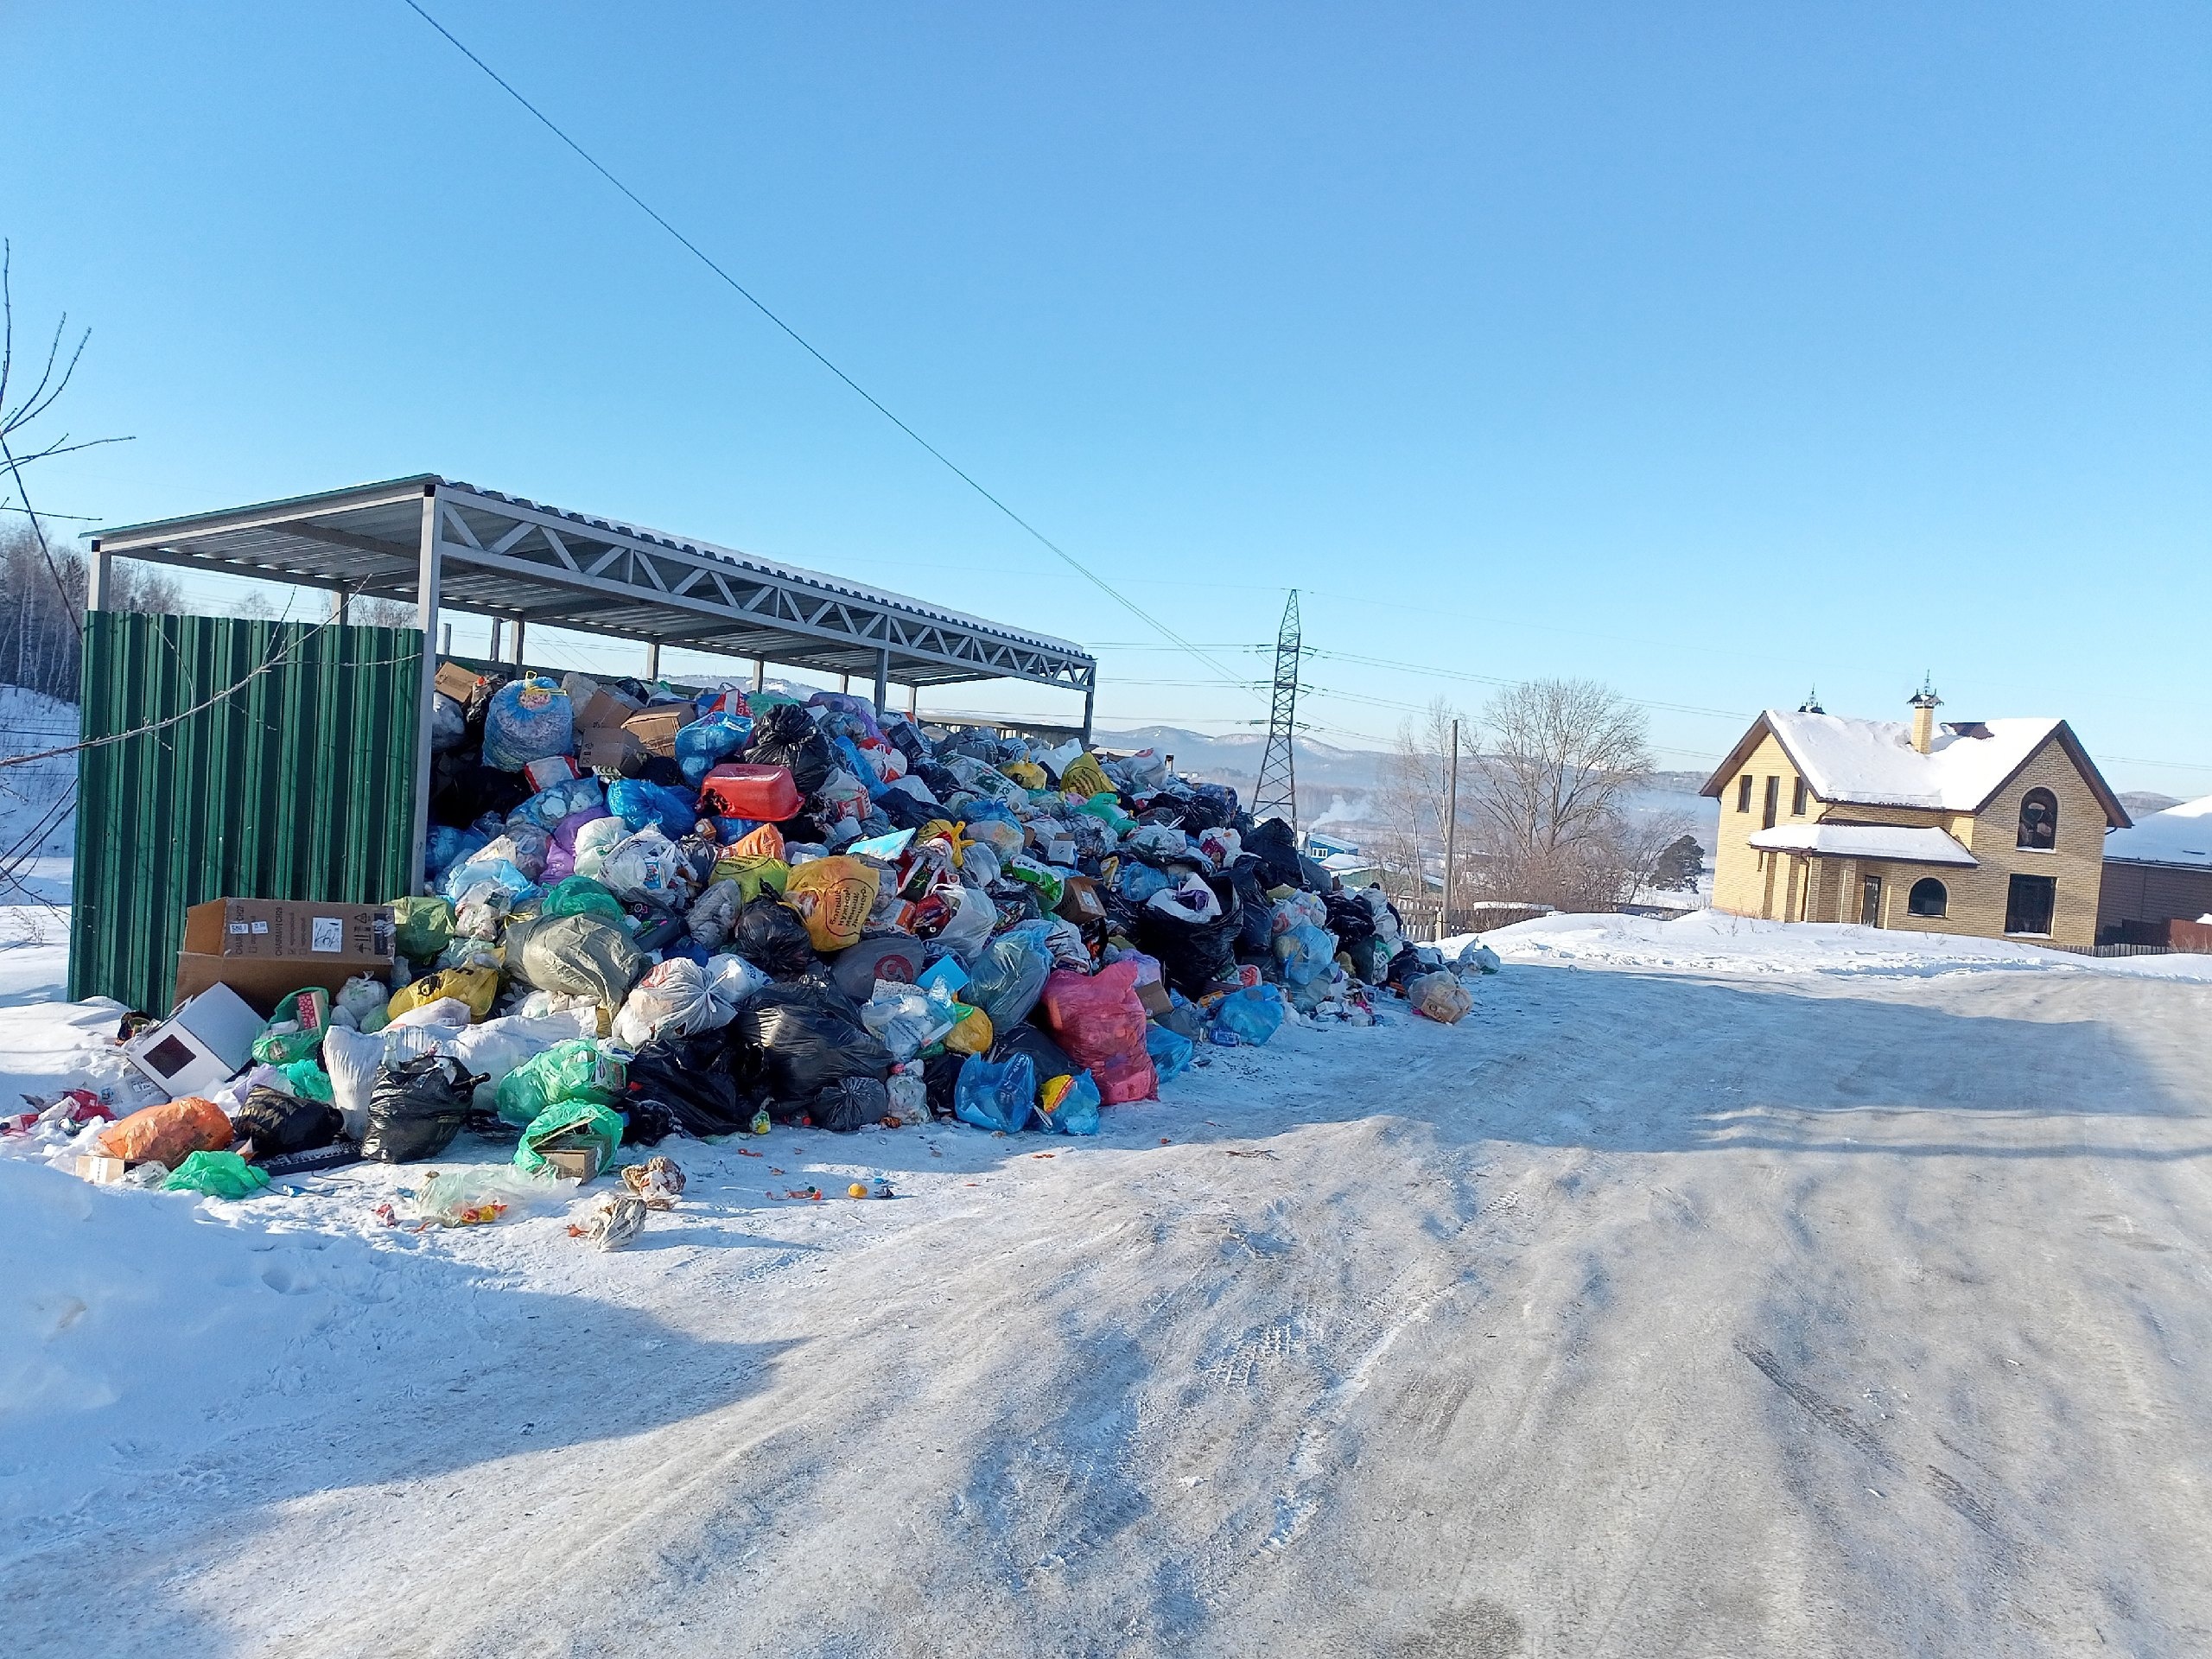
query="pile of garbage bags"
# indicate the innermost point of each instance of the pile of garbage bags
(753, 910)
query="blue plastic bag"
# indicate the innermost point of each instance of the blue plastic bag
(1171, 1051)
(564, 799)
(1007, 980)
(1305, 951)
(1138, 882)
(463, 877)
(529, 719)
(1078, 1112)
(1251, 1016)
(447, 846)
(996, 1096)
(675, 812)
(707, 741)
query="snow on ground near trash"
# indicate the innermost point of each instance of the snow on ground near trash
(1713, 941)
(1742, 1310)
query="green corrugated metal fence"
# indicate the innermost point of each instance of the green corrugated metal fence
(299, 784)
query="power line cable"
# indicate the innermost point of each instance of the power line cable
(874, 402)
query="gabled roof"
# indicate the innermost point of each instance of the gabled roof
(1896, 842)
(1872, 763)
(2180, 834)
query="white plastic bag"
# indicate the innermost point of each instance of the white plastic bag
(730, 980)
(446, 1011)
(906, 1018)
(673, 1000)
(498, 1046)
(644, 868)
(973, 916)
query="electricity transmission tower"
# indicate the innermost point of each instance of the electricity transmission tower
(1276, 795)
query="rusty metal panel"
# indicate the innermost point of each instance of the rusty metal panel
(267, 761)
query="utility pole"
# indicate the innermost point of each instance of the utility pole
(1450, 837)
(1276, 793)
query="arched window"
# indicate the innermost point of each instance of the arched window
(2038, 821)
(1927, 898)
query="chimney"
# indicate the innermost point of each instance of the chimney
(1924, 705)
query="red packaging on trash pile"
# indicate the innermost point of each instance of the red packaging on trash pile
(764, 794)
(1098, 1019)
(170, 1134)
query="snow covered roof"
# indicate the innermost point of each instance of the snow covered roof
(2180, 834)
(1873, 762)
(1894, 841)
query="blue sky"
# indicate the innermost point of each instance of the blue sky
(1712, 351)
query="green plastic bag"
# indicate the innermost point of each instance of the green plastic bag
(570, 1120)
(308, 1010)
(310, 1081)
(218, 1174)
(580, 895)
(424, 926)
(577, 1070)
(1106, 809)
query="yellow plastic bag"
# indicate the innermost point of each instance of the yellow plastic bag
(478, 987)
(972, 1035)
(754, 873)
(1028, 774)
(833, 897)
(1084, 777)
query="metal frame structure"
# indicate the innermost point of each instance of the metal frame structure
(446, 545)
(1276, 790)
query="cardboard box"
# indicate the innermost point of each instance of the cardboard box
(193, 1051)
(458, 683)
(574, 1161)
(656, 729)
(596, 706)
(1156, 998)
(610, 751)
(266, 949)
(99, 1169)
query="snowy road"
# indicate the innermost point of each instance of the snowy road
(1646, 1313)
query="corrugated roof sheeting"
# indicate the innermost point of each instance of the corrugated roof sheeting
(299, 785)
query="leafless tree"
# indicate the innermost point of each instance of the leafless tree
(1413, 802)
(1559, 759)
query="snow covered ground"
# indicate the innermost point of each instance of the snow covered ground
(1715, 1287)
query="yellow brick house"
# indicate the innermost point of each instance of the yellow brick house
(1994, 828)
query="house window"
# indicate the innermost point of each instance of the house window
(1927, 898)
(2029, 904)
(1773, 802)
(2038, 821)
(1797, 799)
(1744, 793)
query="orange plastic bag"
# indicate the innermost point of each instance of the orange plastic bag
(169, 1134)
(833, 896)
(766, 841)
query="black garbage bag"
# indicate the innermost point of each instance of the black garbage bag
(788, 737)
(906, 737)
(277, 1122)
(904, 812)
(479, 704)
(1370, 958)
(851, 1103)
(665, 771)
(694, 1080)
(416, 1107)
(1404, 967)
(1193, 955)
(941, 1081)
(1313, 877)
(646, 1123)
(769, 934)
(1255, 935)
(1049, 1060)
(942, 783)
(463, 788)
(1349, 916)
(1273, 845)
(789, 1043)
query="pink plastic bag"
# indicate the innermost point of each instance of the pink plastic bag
(1098, 1019)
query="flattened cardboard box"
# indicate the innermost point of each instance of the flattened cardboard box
(455, 682)
(266, 949)
(656, 729)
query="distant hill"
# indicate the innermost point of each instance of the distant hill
(2141, 803)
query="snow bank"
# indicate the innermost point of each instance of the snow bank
(1711, 941)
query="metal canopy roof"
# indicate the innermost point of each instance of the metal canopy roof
(506, 557)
